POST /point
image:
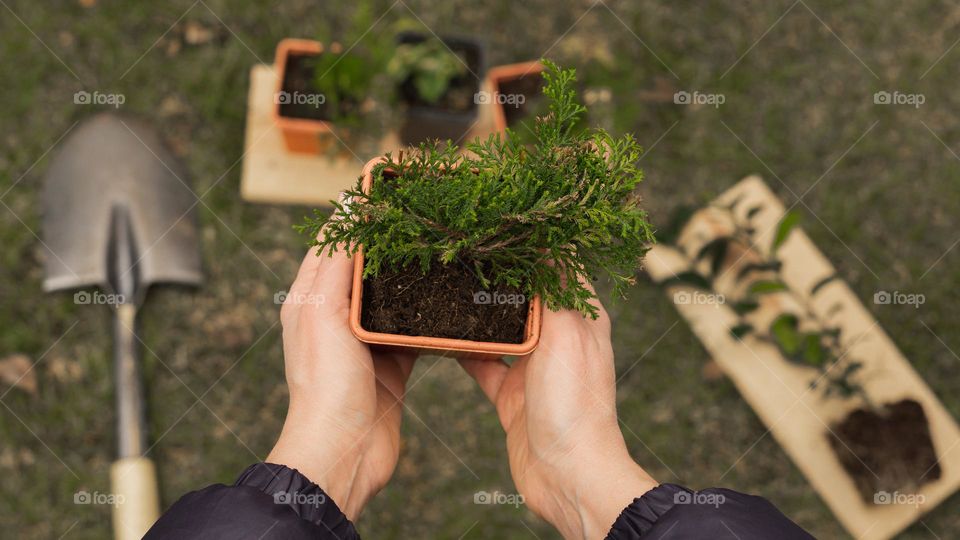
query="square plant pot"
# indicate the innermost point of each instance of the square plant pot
(459, 347)
(304, 130)
(424, 121)
(507, 83)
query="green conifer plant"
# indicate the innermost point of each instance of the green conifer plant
(543, 217)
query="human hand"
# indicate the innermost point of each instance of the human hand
(342, 429)
(558, 407)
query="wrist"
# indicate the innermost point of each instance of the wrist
(310, 451)
(591, 504)
(602, 502)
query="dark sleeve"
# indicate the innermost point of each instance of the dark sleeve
(267, 501)
(675, 512)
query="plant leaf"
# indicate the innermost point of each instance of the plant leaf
(787, 223)
(741, 330)
(764, 287)
(716, 249)
(688, 278)
(745, 306)
(813, 352)
(784, 332)
(773, 266)
(820, 284)
(679, 218)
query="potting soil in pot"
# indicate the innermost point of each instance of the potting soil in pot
(886, 451)
(516, 109)
(302, 99)
(447, 302)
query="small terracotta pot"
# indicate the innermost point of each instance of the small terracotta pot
(301, 135)
(501, 74)
(461, 347)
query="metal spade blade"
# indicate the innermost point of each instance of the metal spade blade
(118, 214)
(108, 165)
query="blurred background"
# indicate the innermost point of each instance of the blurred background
(880, 190)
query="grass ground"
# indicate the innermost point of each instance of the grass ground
(879, 187)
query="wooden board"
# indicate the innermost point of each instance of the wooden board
(779, 392)
(272, 174)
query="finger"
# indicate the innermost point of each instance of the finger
(574, 358)
(564, 337)
(561, 324)
(333, 281)
(393, 369)
(602, 316)
(313, 259)
(594, 301)
(406, 360)
(325, 290)
(306, 273)
(601, 325)
(289, 313)
(489, 374)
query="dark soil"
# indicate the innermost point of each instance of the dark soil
(529, 87)
(447, 302)
(459, 97)
(298, 77)
(887, 451)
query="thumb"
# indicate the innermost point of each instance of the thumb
(334, 275)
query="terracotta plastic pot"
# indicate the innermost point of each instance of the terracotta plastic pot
(500, 75)
(302, 135)
(460, 347)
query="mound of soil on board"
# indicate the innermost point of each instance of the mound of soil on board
(448, 302)
(886, 451)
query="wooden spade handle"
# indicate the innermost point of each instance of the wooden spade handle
(133, 481)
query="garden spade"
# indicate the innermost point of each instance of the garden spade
(117, 214)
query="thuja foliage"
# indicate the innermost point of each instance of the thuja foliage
(544, 217)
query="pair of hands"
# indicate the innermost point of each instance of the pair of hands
(557, 405)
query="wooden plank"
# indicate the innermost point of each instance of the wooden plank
(271, 174)
(779, 391)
